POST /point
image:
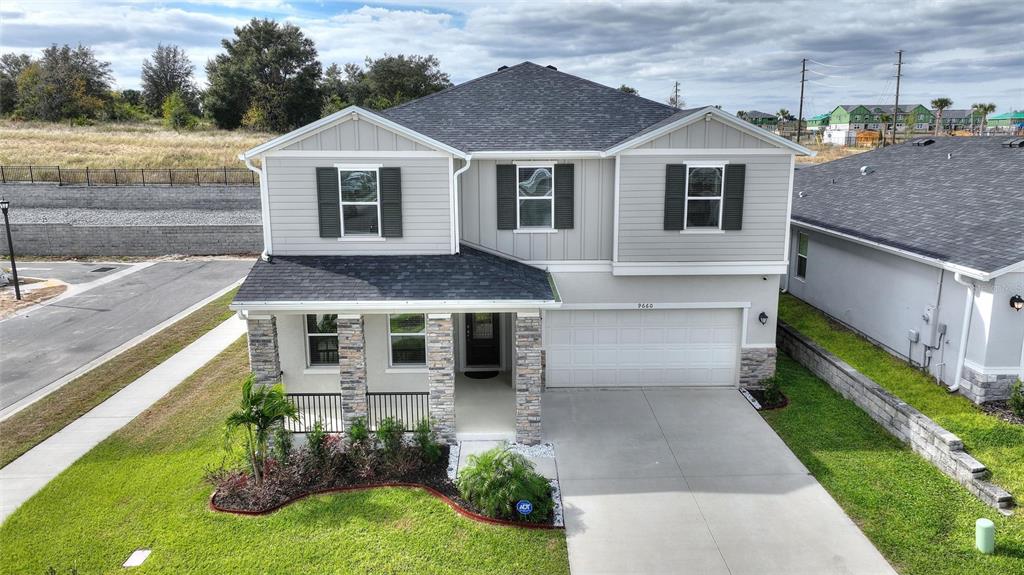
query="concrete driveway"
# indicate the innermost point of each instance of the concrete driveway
(692, 481)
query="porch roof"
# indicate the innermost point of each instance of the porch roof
(364, 282)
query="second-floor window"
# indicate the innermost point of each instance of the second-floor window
(360, 202)
(535, 196)
(322, 339)
(704, 186)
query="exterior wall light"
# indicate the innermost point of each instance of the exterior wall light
(763, 318)
(1017, 302)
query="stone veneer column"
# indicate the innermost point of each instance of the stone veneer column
(528, 378)
(264, 357)
(980, 387)
(756, 365)
(441, 375)
(352, 365)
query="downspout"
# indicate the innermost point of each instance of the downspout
(964, 331)
(268, 248)
(455, 199)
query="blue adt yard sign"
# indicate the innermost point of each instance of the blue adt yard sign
(524, 507)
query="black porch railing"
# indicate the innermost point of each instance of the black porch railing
(409, 407)
(313, 407)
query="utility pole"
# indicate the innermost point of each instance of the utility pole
(675, 95)
(896, 108)
(800, 114)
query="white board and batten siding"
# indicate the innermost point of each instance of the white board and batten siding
(291, 179)
(594, 205)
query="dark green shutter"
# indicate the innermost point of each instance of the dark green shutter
(391, 202)
(328, 203)
(565, 181)
(506, 197)
(675, 195)
(735, 182)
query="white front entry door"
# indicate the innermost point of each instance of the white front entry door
(661, 347)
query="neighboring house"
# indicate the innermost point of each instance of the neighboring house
(869, 117)
(762, 120)
(1006, 122)
(451, 256)
(902, 243)
(819, 122)
(954, 120)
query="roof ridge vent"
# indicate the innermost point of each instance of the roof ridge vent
(865, 170)
(550, 67)
(500, 68)
(1014, 143)
(922, 142)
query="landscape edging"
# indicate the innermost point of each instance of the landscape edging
(940, 447)
(430, 490)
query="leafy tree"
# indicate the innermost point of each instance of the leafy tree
(628, 89)
(65, 83)
(262, 408)
(269, 75)
(939, 105)
(983, 110)
(176, 113)
(119, 107)
(784, 116)
(333, 89)
(132, 97)
(742, 114)
(11, 66)
(387, 81)
(169, 71)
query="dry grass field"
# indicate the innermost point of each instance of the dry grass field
(827, 153)
(121, 145)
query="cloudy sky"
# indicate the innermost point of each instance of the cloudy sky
(740, 55)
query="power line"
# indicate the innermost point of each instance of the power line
(828, 65)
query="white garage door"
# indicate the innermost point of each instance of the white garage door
(613, 348)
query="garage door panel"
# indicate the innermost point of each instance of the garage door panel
(618, 348)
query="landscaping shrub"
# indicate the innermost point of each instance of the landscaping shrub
(358, 431)
(261, 409)
(426, 440)
(316, 441)
(1017, 399)
(772, 392)
(389, 435)
(282, 444)
(495, 480)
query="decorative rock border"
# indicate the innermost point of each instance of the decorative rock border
(430, 490)
(928, 439)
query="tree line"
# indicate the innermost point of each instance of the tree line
(267, 78)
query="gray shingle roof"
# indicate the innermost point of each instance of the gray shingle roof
(529, 107)
(471, 275)
(967, 210)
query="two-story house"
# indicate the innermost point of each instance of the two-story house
(452, 256)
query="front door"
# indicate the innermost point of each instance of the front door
(482, 340)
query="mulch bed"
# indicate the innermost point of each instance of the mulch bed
(341, 471)
(1001, 409)
(765, 406)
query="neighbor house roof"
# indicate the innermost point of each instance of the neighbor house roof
(470, 275)
(529, 107)
(885, 108)
(957, 200)
(756, 114)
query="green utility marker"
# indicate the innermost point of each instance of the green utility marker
(985, 536)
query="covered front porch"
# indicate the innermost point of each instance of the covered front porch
(471, 366)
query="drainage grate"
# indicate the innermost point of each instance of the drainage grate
(102, 270)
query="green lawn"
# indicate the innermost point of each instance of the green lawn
(994, 442)
(921, 520)
(143, 487)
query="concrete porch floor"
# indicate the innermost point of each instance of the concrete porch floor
(485, 409)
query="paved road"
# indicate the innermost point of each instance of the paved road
(692, 481)
(74, 273)
(54, 340)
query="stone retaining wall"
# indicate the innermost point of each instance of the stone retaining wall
(941, 448)
(71, 240)
(132, 197)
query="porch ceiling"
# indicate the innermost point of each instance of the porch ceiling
(367, 282)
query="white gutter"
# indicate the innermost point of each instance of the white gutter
(268, 247)
(964, 331)
(391, 306)
(455, 201)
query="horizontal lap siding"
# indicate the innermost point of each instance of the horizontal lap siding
(589, 239)
(642, 203)
(293, 212)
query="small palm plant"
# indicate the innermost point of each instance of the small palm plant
(262, 408)
(493, 481)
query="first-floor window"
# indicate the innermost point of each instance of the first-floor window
(536, 196)
(407, 337)
(704, 187)
(322, 338)
(801, 255)
(360, 202)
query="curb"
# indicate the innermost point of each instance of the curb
(430, 490)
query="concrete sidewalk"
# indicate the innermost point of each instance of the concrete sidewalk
(25, 476)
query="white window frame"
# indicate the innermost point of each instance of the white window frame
(550, 166)
(375, 168)
(720, 198)
(406, 366)
(796, 272)
(307, 335)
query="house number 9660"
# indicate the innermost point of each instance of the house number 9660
(645, 306)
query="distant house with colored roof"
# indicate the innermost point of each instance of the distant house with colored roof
(819, 122)
(761, 119)
(1007, 121)
(869, 117)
